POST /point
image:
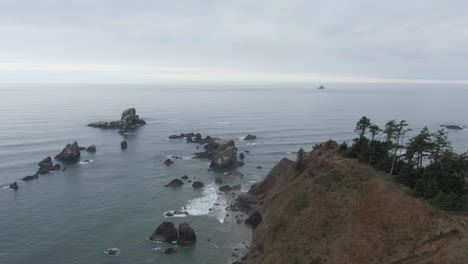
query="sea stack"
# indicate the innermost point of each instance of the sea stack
(70, 153)
(128, 119)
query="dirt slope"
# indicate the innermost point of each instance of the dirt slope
(340, 211)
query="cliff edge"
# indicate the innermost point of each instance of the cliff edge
(337, 210)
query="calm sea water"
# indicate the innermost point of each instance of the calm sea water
(118, 199)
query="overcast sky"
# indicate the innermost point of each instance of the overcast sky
(221, 40)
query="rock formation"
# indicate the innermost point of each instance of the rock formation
(14, 186)
(250, 137)
(70, 153)
(168, 162)
(91, 148)
(129, 119)
(175, 183)
(186, 234)
(166, 232)
(223, 154)
(31, 177)
(123, 144)
(198, 185)
(192, 138)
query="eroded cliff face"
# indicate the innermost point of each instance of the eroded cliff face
(340, 211)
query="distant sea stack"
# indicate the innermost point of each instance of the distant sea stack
(320, 87)
(129, 119)
(338, 210)
(71, 152)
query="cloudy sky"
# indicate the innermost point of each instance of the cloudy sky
(233, 40)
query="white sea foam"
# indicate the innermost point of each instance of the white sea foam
(202, 205)
(252, 144)
(86, 162)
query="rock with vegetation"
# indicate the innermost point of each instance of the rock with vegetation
(128, 119)
(166, 232)
(71, 152)
(186, 234)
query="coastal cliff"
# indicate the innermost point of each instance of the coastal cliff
(338, 210)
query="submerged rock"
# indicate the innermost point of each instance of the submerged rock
(250, 137)
(225, 188)
(175, 183)
(14, 186)
(91, 148)
(129, 119)
(198, 185)
(112, 251)
(70, 153)
(170, 251)
(31, 177)
(166, 232)
(168, 162)
(123, 144)
(185, 177)
(186, 234)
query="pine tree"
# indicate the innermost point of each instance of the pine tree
(300, 159)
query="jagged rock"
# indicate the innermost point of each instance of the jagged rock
(166, 232)
(246, 151)
(223, 154)
(198, 185)
(123, 144)
(259, 167)
(170, 251)
(192, 138)
(186, 234)
(31, 177)
(14, 186)
(129, 119)
(45, 161)
(70, 153)
(168, 162)
(455, 127)
(250, 137)
(185, 177)
(242, 156)
(91, 148)
(254, 219)
(175, 183)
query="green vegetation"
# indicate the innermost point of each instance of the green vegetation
(300, 159)
(425, 163)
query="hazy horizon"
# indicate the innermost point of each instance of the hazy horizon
(236, 41)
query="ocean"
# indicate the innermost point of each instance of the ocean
(118, 198)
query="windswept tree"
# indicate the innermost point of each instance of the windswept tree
(398, 135)
(300, 159)
(374, 130)
(441, 145)
(390, 130)
(419, 147)
(361, 126)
